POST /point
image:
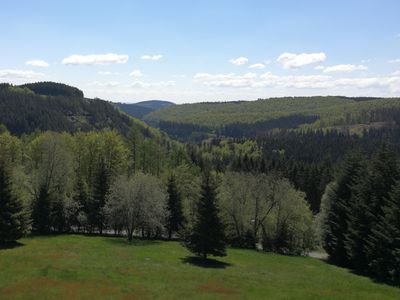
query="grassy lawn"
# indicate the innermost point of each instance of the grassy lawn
(79, 267)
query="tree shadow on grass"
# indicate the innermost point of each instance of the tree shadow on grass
(205, 262)
(135, 242)
(10, 245)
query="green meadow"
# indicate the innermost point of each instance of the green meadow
(82, 267)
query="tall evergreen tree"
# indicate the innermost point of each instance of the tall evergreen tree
(385, 237)
(176, 218)
(340, 197)
(208, 234)
(11, 210)
(41, 211)
(96, 207)
(370, 198)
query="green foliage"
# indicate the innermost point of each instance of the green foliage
(208, 233)
(254, 118)
(48, 88)
(176, 219)
(62, 109)
(337, 206)
(362, 216)
(12, 218)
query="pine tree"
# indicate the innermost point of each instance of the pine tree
(340, 197)
(11, 210)
(41, 219)
(176, 218)
(96, 206)
(208, 234)
(366, 210)
(385, 264)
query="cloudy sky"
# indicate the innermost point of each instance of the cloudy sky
(190, 51)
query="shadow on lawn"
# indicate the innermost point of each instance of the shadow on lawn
(11, 245)
(205, 262)
(135, 242)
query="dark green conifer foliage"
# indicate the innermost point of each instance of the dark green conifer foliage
(370, 197)
(384, 261)
(340, 197)
(176, 218)
(11, 210)
(96, 208)
(208, 234)
(41, 210)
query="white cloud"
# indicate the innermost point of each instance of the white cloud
(293, 60)
(142, 84)
(104, 84)
(319, 67)
(239, 61)
(396, 73)
(251, 80)
(136, 73)
(95, 59)
(151, 57)
(37, 63)
(19, 74)
(344, 68)
(104, 73)
(394, 61)
(257, 66)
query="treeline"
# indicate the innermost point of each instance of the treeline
(308, 159)
(104, 182)
(361, 213)
(277, 113)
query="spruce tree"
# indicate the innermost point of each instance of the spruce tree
(96, 212)
(338, 215)
(11, 210)
(385, 237)
(41, 210)
(370, 197)
(208, 234)
(176, 218)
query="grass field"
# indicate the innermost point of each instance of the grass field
(79, 267)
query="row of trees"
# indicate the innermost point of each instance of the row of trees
(361, 213)
(99, 182)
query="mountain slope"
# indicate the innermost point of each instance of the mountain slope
(155, 104)
(57, 107)
(250, 118)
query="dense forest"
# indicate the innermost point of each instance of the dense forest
(72, 164)
(254, 118)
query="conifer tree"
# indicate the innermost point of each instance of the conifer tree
(340, 197)
(41, 210)
(97, 203)
(384, 261)
(370, 197)
(208, 234)
(11, 210)
(176, 218)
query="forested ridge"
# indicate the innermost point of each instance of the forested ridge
(254, 118)
(58, 107)
(69, 164)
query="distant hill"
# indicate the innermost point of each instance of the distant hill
(58, 107)
(155, 104)
(254, 118)
(141, 109)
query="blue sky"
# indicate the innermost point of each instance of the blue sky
(190, 51)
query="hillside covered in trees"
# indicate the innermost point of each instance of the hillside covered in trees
(58, 107)
(193, 122)
(69, 164)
